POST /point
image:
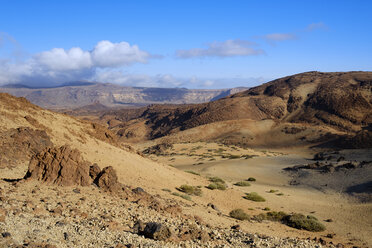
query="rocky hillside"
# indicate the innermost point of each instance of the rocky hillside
(339, 102)
(62, 197)
(81, 94)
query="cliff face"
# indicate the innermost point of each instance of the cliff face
(113, 95)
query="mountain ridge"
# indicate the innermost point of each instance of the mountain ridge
(79, 94)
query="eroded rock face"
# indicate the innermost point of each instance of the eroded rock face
(62, 166)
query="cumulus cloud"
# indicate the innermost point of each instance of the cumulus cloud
(58, 65)
(58, 59)
(107, 54)
(228, 48)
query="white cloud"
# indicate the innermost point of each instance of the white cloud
(280, 37)
(58, 65)
(59, 59)
(228, 48)
(108, 54)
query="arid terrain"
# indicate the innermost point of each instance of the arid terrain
(80, 94)
(284, 164)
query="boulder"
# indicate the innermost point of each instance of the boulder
(62, 166)
(108, 180)
(157, 231)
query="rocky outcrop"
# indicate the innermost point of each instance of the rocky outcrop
(62, 166)
(108, 180)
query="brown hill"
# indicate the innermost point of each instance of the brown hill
(339, 103)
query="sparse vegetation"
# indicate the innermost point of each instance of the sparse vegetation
(190, 190)
(251, 179)
(217, 183)
(166, 190)
(242, 184)
(184, 196)
(266, 209)
(300, 221)
(219, 186)
(239, 214)
(253, 196)
(216, 180)
(279, 194)
(193, 172)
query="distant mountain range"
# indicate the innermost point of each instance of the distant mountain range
(81, 93)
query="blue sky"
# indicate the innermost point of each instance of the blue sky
(193, 44)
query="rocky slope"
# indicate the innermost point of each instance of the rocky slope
(62, 199)
(78, 95)
(313, 106)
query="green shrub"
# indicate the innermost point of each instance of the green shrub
(239, 214)
(279, 194)
(216, 180)
(193, 172)
(167, 190)
(253, 196)
(190, 190)
(242, 184)
(266, 209)
(300, 221)
(219, 186)
(212, 186)
(251, 179)
(186, 197)
(276, 216)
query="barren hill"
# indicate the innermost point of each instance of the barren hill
(315, 105)
(79, 94)
(61, 148)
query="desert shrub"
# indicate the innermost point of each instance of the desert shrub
(239, 214)
(190, 190)
(243, 184)
(253, 196)
(186, 197)
(276, 216)
(300, 221)
(251, 179)
(167, 190)
(216, 180)
(212, 186)
(279, 194)
(193, 172)
(259, 217)
(266, 209)
(219, 186)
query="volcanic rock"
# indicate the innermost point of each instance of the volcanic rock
(62, 166)
(108, 180)
(156, 231)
